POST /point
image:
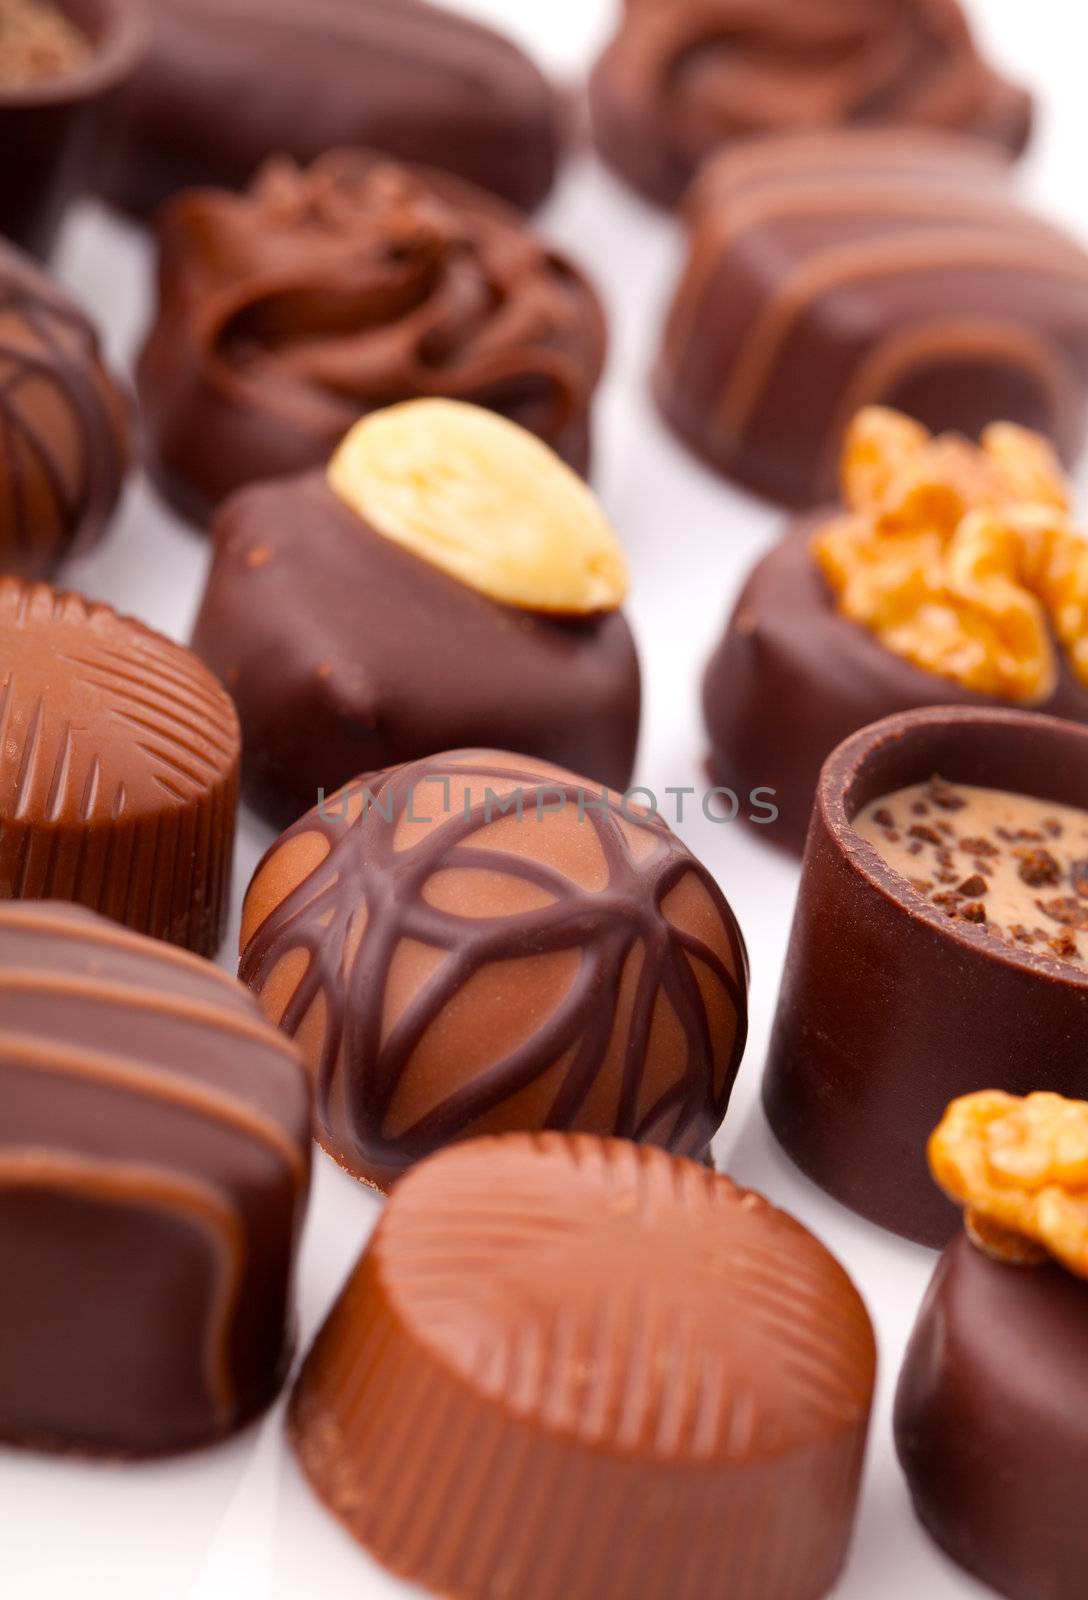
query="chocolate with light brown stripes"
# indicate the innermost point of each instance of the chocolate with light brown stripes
(480, 942)
(834, 271)
(154, 1166)
(119, 757)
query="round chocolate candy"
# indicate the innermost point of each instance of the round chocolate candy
(893, 1003)
(836, 271)
(788, 645)
(611, 1372)
(155, 1135)
(289, 311)
(477, 943)
(449, 582)
(229, 83)
(63, 424)
(119, 783)
(680, 81)
(991, 1422)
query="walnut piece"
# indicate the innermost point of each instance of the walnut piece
(1019, 1167)
(962, 558)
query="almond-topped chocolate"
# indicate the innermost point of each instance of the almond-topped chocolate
(476, 942)
(318, 295)
(448, 582)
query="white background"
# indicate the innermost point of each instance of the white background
(238, 1521)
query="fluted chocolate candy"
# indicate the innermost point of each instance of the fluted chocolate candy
(476, 943)
(154, 1164)
(63, 424)
(612, 1373)
(348, 648)
(229, 83)
(291, 310)
(119, 778)
(681, 80)
(835, 271)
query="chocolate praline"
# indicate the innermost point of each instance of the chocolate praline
(836, 271)
(476, 942)
(889, 1009)
(64, 424)
(568, 1330)
(787, 645)
(119, 777)
(228, 83)
(54, 127)
(345, 653)
(991, 1422)
(680, 81)
(155, 1158)
(316, 296)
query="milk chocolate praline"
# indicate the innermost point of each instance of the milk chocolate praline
(787, 646)
(682, 80)
(119, 778)
(991, 1421)
(229, 83)
(836, 271)
(155, 1136)
(64, 424)
(52, 126)
(319, 295)
(477, 942)
(889, 1009)
(613, 1373)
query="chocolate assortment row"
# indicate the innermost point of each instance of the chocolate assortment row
(475, 966)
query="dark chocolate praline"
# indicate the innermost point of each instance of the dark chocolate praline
(228, 83)
(991, 1422)
(888, 1008)
(345, 654)
(792, 678)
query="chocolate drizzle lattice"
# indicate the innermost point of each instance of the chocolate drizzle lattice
(638, 1031)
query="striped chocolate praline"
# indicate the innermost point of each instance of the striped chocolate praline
(119, 757)
(570, 1366)
(154, 1167)
(836, 271)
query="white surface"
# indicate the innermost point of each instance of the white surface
(237, 1522)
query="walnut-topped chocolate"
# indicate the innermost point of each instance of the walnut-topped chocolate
(318, 295)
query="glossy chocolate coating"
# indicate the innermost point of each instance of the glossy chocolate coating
(788, 647)
(450, 969)
(52, 129)
(154, 1165)
(991, 1422)
(344, 653)
(229, 83)
(681, 80)
(288, 312)
(614, 1373)
(119, 779)
(63, 424)
(836, 271)
(888, 1008)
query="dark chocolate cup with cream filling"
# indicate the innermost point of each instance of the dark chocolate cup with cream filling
(56, 124)
(889, 1009)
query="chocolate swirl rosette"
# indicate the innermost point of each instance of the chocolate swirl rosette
(679, 81)
(291, 310)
